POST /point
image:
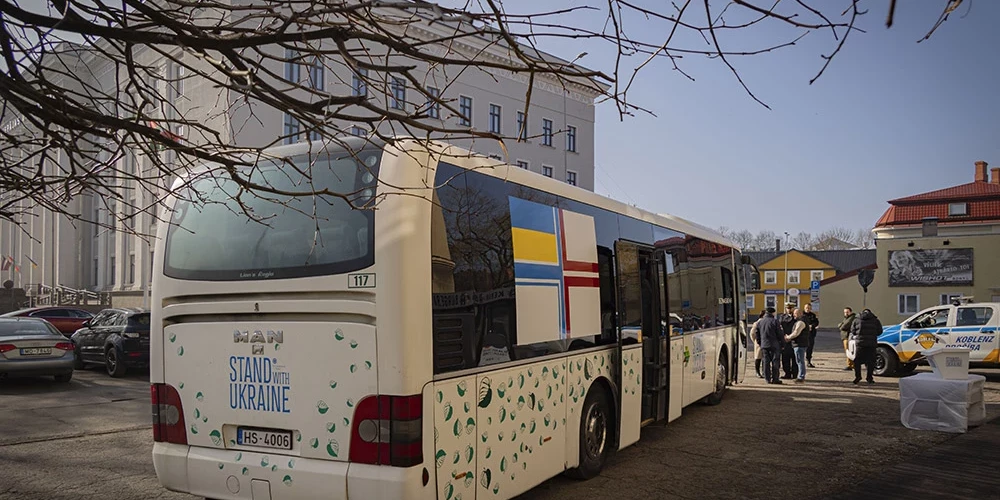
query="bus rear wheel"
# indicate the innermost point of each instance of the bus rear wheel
(721, 379)
(595, 434)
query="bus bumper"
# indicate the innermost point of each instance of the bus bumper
(232, 474)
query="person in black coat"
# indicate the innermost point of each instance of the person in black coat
(768, 335)
(865, 333)
(812, 321)
(788, 363)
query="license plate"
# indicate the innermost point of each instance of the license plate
(35, 351)
(246, 436)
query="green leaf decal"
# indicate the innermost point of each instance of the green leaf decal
(501, 391)
(333, 384)
(439, 458)
(536, 383)
(287, 480)
(530, 372)
(540, 404)
(204, 419)
(496, 489)
(199, 396)
(485, 478)
(515, 457)
(503, 464)
(264, 461)
(602, 361)
(489, 451)
(456, 457)
(180, 351)
(338, 334)
(277, 347)
(239, 456)
(470, 425)
(547, 419)
(194, 429)
(484, 437)
(545, 372)
(510, 382)
(532, 427)
(216, 437)
(500, 436)
(314, 443)
(470, 453)
(333, 448)
(354, 368)
(467, 407)
(181, 386)
(354, 344)
(520, 381)
(469, 478)
(502, 414)
(291, 464)
(347, 422)
(588, 370)
(221, 465)
(197, 413)
(448, 411)
(449, 490)
(555, 373)
(520, 402)
(549, 396)
(368, 365)
(274, 467)
(173, 337)
(245, 470)
(350, 403)
(298, 437)
(485, 393)
(331, 427)
(322, 407)
(457, 428)
(462, 388)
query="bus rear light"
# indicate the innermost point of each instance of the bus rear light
(388, 430)
(168, 414)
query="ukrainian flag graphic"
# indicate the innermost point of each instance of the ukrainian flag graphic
(555, 272)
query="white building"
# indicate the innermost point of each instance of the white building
(560, 144)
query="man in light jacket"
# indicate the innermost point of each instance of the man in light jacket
(799, 339)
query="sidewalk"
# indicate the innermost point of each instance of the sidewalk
(964, 467)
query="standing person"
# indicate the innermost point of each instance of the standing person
(866, 331)
(788, 364)
(812, 324)
(757, 354)
(845, 328)
(799, 340)
(768, 335)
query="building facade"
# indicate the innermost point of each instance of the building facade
(50, 250)
(937, 246)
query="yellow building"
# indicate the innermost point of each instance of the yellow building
(788, 276)
(934, 247)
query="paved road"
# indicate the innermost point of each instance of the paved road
(91, 440)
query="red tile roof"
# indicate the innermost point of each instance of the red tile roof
(983, 200)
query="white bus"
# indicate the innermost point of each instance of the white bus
(482, 330)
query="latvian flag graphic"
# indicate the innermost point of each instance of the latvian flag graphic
(555, 273)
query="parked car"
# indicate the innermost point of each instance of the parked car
(66, 319)
(116, 338)
(33, 347)
(973, 326)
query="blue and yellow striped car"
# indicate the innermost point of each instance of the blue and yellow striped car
(973, 326)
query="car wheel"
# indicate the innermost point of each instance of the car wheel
(595, 434)
(113, 363)
(64, 378)
(886, 362)
(720, 384)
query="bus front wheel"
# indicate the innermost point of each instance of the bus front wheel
(720, 384)
(595, 434)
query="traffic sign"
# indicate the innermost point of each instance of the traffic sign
(814, 285)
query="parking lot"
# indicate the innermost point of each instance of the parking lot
(91, 439)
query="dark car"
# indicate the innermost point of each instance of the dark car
(116, 338)
(66, 319)
(33, 347)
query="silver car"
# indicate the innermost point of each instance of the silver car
(33, 347)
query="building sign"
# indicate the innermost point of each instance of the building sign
(931, 267)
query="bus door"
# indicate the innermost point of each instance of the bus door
(655, 346)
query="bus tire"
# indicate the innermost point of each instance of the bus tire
(886, 362)
(721, 379)
(595, 434)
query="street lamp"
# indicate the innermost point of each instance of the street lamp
(784, 290)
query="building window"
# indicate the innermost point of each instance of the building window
(948, 298)
(433, 106)
(908, 303)
(112, 269)
(547, 132)
(792, 300)
(317, 74)
(793, 277)
(291, 129)
(771, 302)
(96, 270)
(571, 139)
(358, 131)
(131, 268)
(130, 214)
(815, 275)
(523, 164)
(958, 209)
(398, 87)
(152, 269)
(292, 69)
(522, 127)
(495, 119)
(751, 302)
(570, 177)
(359, 87)
(465, 108)
(770, 277)
(546, 171)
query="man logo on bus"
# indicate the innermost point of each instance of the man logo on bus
(270, 336)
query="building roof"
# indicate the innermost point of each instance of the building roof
(982, 199)
(840, 260)
(964, 192)
(843, 276)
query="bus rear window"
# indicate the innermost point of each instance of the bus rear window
(211, 238)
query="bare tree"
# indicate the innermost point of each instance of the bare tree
(803, 241)
(744, 239)
(765, 240)
(94, 93)
(864, 238)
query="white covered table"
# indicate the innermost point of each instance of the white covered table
(927, 402)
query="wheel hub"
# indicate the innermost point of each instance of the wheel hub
(596, 432)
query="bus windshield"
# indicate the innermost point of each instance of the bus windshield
(211, 237)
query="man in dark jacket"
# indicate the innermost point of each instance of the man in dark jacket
(799, 338)
(845, 328)
(769, 336)
(865, 332)
(812, 324)
(788, 364)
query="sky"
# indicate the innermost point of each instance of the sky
(889, 118)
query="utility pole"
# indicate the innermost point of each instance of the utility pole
(784, 290)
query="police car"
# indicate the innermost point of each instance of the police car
(974, 326)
